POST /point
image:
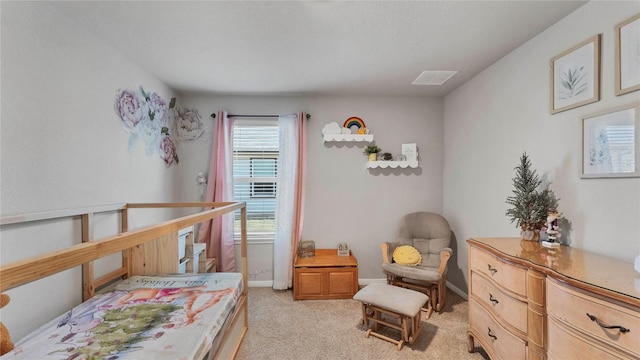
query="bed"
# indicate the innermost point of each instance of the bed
(144, 309)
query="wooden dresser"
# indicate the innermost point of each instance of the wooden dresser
(531, 302)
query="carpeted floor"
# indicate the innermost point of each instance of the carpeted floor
(283, 329)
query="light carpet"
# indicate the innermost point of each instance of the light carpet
(283, 329)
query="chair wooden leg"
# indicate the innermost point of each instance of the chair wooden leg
(405, 328)
(416, 325)
(377, 317)
(429, 310)
(442, 293)
(433, 298)
(365, 319)
(390, 279)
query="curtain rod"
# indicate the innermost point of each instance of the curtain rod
(213, 115)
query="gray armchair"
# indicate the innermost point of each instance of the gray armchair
(430, 234)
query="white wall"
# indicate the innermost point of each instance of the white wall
(345, 202)
(504, 111)
(63, 146)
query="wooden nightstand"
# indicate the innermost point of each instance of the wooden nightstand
(325, 276)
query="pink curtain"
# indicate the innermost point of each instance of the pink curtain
(218, 233)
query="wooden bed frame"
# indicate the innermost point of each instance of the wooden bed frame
(139, 249)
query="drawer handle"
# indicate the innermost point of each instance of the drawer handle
(491, 335)
(492, 270)
(595, 319)
(493, 300)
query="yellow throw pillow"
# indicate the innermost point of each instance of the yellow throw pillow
(407, 255)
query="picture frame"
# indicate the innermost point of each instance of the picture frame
(575, 76)
(307, 248)
(610, 143)
(343, 249)
(410, 151)
(627, 55)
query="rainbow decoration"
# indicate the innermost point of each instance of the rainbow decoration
(354, 121)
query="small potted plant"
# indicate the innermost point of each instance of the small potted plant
(372, 150)
(530, 204)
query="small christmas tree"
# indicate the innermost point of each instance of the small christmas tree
(530, 206)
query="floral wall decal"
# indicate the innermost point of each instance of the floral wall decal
(145, 115)
(128, 106)
(187, 124)
(168, 151)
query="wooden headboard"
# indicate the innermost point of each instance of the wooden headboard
(139, 247)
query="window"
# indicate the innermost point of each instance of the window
(265, 168)
(255, 170)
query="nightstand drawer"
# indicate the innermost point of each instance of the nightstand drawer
(509, 276)
(511, 310)
(569, 306)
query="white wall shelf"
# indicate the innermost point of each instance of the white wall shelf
(391, 164)
(348, 137)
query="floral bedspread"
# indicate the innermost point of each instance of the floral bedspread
(145, 317)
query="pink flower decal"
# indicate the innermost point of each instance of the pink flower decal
(157, 108)
(168, 151)
(146, 116)
(130, 108)
(187, 123)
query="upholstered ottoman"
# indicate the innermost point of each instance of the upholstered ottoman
(396, 302)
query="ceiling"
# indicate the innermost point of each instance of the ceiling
(313, 47)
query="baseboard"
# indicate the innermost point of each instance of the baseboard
(260, 283)
(457, 290)
(269, 283)
(362, 282)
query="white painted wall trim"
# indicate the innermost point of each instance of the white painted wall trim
(260, 283)
(269, 283)
(457, 290)
(364, 282)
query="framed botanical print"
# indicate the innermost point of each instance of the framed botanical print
(575, 76)
(610, 143)
(627, 55)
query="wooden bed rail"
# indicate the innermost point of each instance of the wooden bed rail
(59, 214)
(33, 268)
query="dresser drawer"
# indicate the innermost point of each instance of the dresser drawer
(501, 343)
(565, 344)
(509, 276)
(569, 306)
(511, 310)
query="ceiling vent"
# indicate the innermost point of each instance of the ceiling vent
(433, 77)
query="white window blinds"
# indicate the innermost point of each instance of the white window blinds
(255, 168)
